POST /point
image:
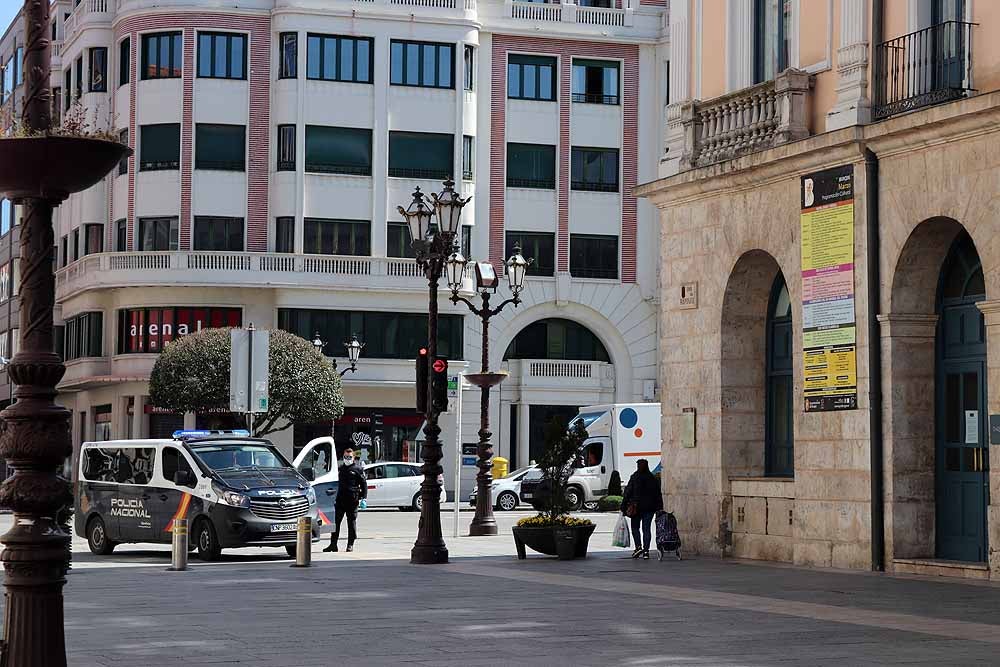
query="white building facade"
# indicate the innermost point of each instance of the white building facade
(273, 142)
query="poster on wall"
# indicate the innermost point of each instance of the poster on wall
(828, 326)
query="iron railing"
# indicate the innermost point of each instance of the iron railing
(925, 67)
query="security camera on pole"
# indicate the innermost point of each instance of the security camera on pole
(249, 353)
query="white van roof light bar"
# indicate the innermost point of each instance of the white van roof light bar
(190, 435)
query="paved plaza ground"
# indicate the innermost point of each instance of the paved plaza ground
(486, 608)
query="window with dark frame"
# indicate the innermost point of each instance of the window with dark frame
(83, 336)
(422, 155)
(284, 234)
(77, 246)
(288, 66)
(399, 243)
(222, 55)
(531, 77)
(158, 234)
(538, 246)
(78, 78)
(97, 81)
(338, 150)
(771, 38)
(339, 58)
(93, 238)
(159, 147)
(323, 236)
(468, 157)
(593, 256)
(220, 147)
(467, 241)
(68, 88)
(124, 61)
(162, 55)
(286, 148)
(218, 233)
(64, 246)
(596, 81)
(531, 166)
(423, 64)
(123, 163)
(121, 235)
(594, 169)
(469, 57)
(57, 103)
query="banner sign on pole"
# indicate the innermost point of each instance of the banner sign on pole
(829, 328)
(239, 350)
(248, 377)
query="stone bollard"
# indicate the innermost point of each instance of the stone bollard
(303, 542)
(179, 546)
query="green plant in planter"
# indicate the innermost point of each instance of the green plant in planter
(562, 447)
(74, 124)
(610, 504)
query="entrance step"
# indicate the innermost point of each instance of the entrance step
(936, 567)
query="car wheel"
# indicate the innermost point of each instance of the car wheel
(574, 498)
(97, 537)
(208, 543)
(507, 501)
(418, 502)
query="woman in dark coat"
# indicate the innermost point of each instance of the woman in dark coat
(640, 502)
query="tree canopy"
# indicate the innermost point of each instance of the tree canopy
(192, 375)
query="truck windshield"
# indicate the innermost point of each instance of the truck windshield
(235, 456)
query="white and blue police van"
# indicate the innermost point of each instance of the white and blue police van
(234, 490)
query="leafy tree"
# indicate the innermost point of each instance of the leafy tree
(192, 375)
(562, 448)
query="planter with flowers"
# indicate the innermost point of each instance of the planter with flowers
(553, 531)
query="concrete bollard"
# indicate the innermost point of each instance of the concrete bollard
(303, 542)
(179, 546)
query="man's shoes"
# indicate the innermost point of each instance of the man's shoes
(333, 547)
(637, 553)
(350, 547)
(645, 555)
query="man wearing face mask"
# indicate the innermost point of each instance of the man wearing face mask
(352, 489)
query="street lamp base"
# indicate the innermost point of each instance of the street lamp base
(429, 554)
(482, 528)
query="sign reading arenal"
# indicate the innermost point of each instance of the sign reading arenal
(829, 329)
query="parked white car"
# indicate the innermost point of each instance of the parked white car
(506, 491)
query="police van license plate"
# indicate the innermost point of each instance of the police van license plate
(283, 527)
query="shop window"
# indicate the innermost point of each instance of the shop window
(425, 64)
(537, 246)
(123, 163)
(337, 237)
(421, 155)
(83, 336)
(399, 242)
(338, 58)
(286, 148)
(222, 55)
(468, 157)
(220, 147)
(284, 234)
(771, 38)
(218, 233)
(98, 70)
(147, 330)
(121, 235)
(594, 169)
(531, 166)
(288, 65)
(124, 61)
(557, 339)
(158, 234)
(93, 238)
(469, 57)
(159, 147)
(162, 55)
(593, 256)
(531, 77)
(595, 81)
(338, 150)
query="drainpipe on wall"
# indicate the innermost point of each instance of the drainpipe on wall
(874, 361)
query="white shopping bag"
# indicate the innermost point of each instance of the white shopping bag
(620, 538)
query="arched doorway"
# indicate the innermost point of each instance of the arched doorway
(961, 453)
(779, 438)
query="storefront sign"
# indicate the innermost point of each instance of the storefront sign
(149, 329)
(828, 324)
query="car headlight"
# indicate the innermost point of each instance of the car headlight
(311, 495)
(232, 498)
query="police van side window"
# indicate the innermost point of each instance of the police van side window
(124, 465)
(173, 461)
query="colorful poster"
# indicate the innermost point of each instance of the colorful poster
(829, 339)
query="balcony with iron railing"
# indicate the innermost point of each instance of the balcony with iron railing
(923, 68)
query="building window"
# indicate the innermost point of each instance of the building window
(162, 55)
(78, 81)
(7, 73)
(220, 147)
(57, 102)
(531, 77)
(595, 81)
(468, 157)
(93, 238)
(606, 4)
(123, 163)
(387, 335)
(147, 330)
(222, 55)
(594, 169)
(557, 339)
(68, 88)
(158, 234)
(531, 166)
(18, 66)
(121, 235)
(159, 147)
(83, 336)
(470, 62)
(4, 282)
(337, 237)
(6, 216)
(421, 155)
(64, 244)
(218, 233)
(538, 246)
(593, 256)
(124, 61)
(467, 241)
(338, 150)
(286, 148)
(284, 234)
(425, 64)
(399, 242)
(335, 58)
(771, 35)
(779, 393)
(288, 67)
(77, 247)
(98, 70)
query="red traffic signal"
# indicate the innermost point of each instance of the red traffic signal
(423, 379)
(440, 365)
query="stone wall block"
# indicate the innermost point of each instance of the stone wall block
(813, 553)
(777, 516)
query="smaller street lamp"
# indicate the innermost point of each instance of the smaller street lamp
(353, 346)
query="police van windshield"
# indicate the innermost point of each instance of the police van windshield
(234, 456)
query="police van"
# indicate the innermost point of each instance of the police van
(235, 491)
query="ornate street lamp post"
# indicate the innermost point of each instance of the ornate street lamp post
(486, 284)
(353, 347)
(432, 245)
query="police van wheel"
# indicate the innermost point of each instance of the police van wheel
(208, 543)
(97, 537)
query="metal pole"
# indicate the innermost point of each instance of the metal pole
(458, 454)
(303, 542)
(250, 331)
(179, 546)
(484, 523)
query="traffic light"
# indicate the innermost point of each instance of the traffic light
(422, 368)
(439, 384)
